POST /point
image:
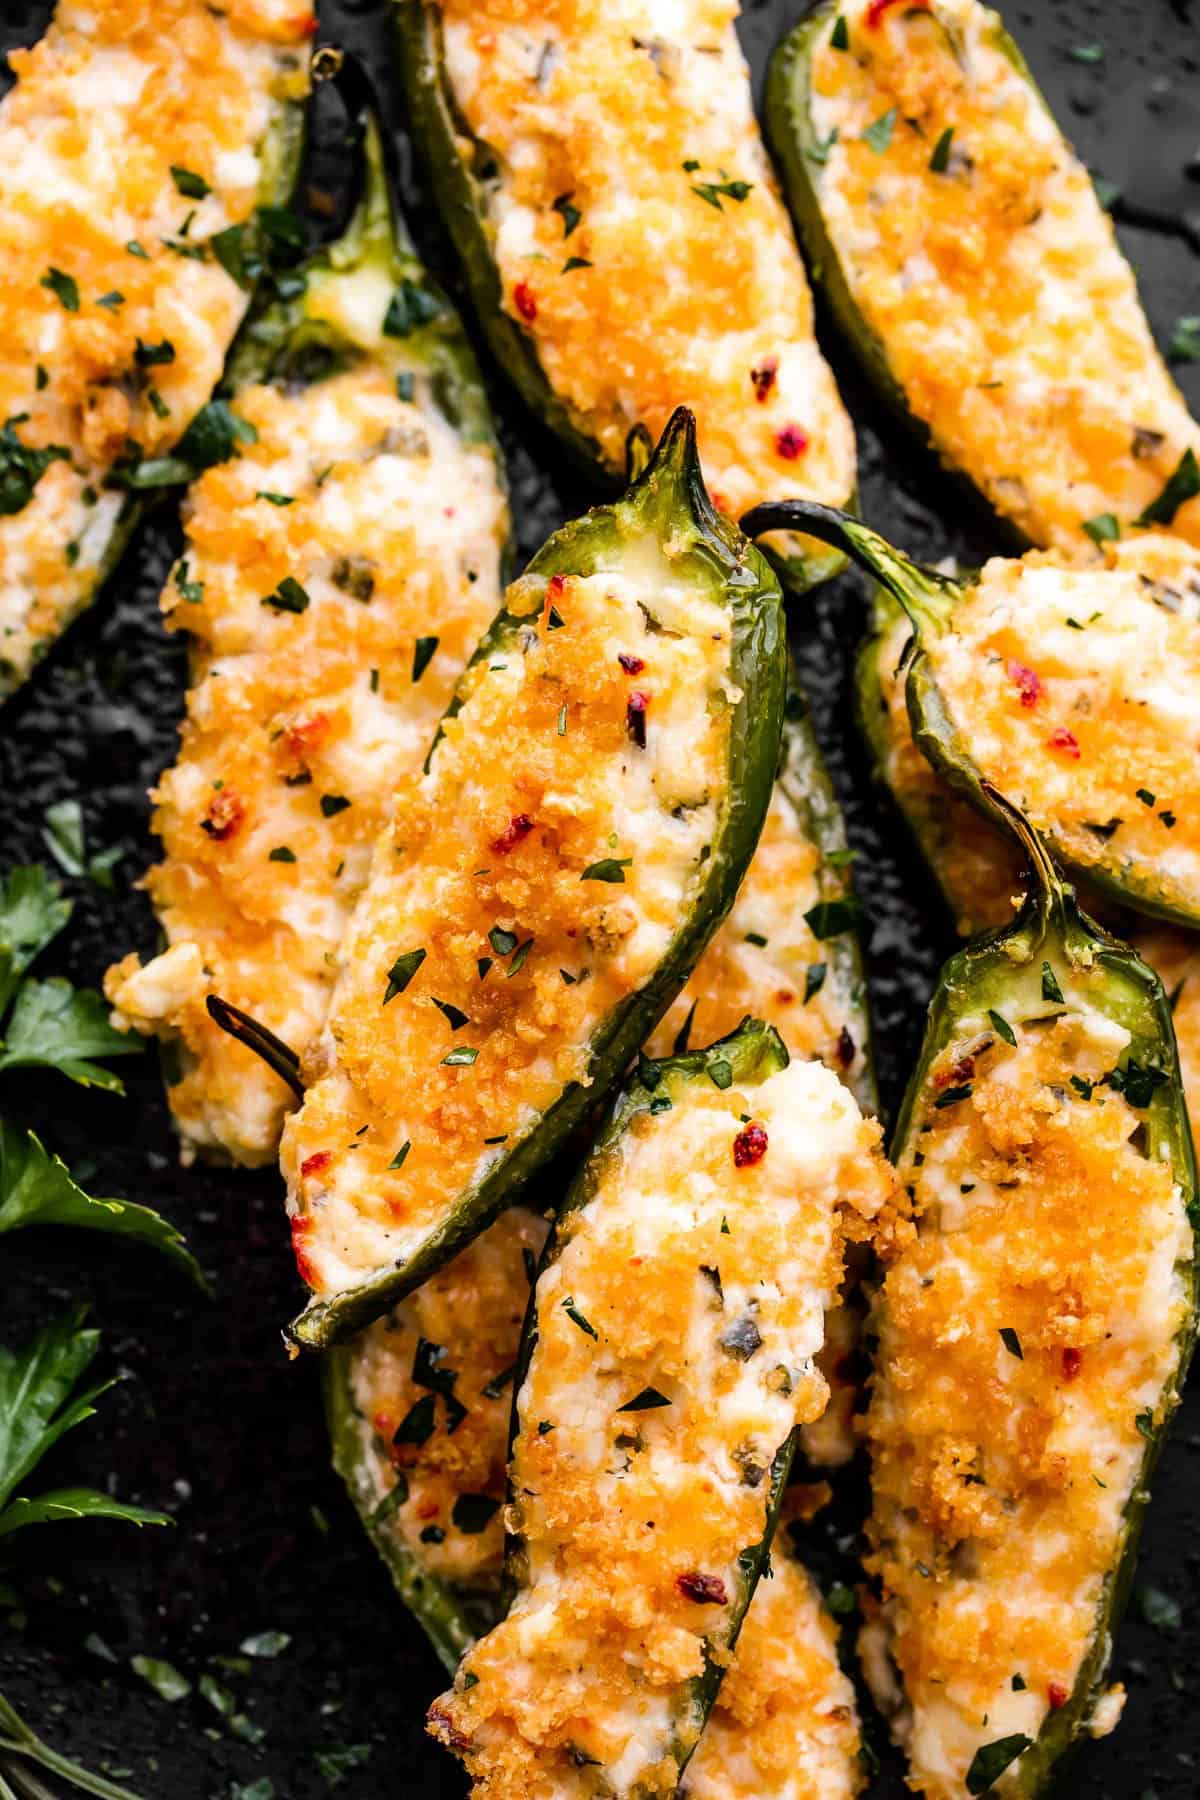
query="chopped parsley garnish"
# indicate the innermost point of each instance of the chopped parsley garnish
(502, 942)
(660, 1104)
(562, 720)
(756, 937)
(829, 918)
(282, 853)
(398, 1161)
(1050, 987)
(1002, 1028)
(1183, 485)
(289, 596)
(416, 1427)
(1105, 528)
(609, 868)
(1018, 1684)
(402, 972)
(236, 256)
(1138, 1084)
(518, 961)
(819, 152)
(1145, 1424)
(1168, 819)
(64, 288)
(453, 1015)
(190, 185)
(879, 135)
(939, 161)
(711, 191)
(498, 1383)
(576, 262)
(990, 1761)
(576, 1317)
(841, 859)
(1146, 797)
(646, 1401)
(151, 356)
(568, 979)
(571, 215)
(275, 499)
(463, 1057)
(1084, 1088)
(332, 804)
(1011, 1342)
(409, 308)
(188, 590)
(158, 405)
(423, 652)
(814, 980)
(720, 1073)
(41, 378)
(135, 249)
(111, 300)
(282, 226)
(839, 37)
(472, 1512)
(22, 467)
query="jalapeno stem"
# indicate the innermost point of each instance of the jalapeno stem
(927, 597)
(255, 1036)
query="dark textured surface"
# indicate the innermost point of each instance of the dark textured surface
(212, 1423)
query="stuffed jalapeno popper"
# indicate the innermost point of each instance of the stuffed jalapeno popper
(969, 262)
(666, 1362)
(146, 152)
(545, 887)
(603, 178)
(1034, 1334)
(334, 579)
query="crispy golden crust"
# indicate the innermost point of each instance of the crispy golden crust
(104, 107)
(1023, 1329)
(301, 724)
(1009, 316)
(703, 1279)
(500, 876)
(693, 290)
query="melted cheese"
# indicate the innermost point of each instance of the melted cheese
(468, 1317)
(785, 1726)
(1008, 316)
(538, 873)
(1000, 1480)
(637, 116)
(301, 724)
(706, 1280)
(111, 100)
(1078, 695)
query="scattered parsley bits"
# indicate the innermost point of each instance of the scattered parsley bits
(135, 249)
(1145, 1424)
(401, 1157)
(576, 1317)
(1145, 796)
(609, 868)
(646, 1401)
(409, 308)
(64, 288)
(1085, 1089)
(402, 972)
(471, 1513)
(332, 804)
(274, 499)
(1183, 485)
(281, 853)
(453, 1015)
(111, 300)
(518, 961)
(1011, 1342)
(576, 262)
(1018, 1684)
(289, 596)
(188, 590)
(756, 938)
(423, 653)
(879, 135)
(41, 378)
(189, 184)
(829, 918)
(940, 160)
(839, 37)
(570, 214)
(562, 720)
(1105, 528)
(158, 405)
(712, 191)
(1050, 987)
(814, 980)
(502, 942)
(416, 1427)
(463, 1057)
(1002, 1028)
(152, 356)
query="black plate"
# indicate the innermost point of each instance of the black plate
(213, 1423)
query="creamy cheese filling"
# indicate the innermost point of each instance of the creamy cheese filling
(432, 1385)
(640, 239)
(785, 1726)
(976, 251)
(1078, 694)
(135, 134)
(677, 1331)
(1027, 1340)
(301, 723)
(531, 881)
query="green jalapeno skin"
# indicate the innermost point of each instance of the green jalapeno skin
(930, 600)
(669, 502)
(1002, 973)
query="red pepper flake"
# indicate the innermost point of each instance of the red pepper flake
(635, 717)
(845, 1048)
(1057, 1695)
(1071, 1360)
(513, 833)
(301, 1226)
(956, 1074)
(705, 1590)
(1066, 741)
(524, 301)
(878, 8)
(749, 1146)
(1027, 684)
(632, 665)
(303, 734)
(225, 813)
(312, 1165)
(442, 1727)
(764, 378)
(790, 442)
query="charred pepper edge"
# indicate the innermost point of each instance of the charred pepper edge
(929, 600)
(281, 148)
(440, 131)
(985, 968)
(672, 482)
(753, 1052)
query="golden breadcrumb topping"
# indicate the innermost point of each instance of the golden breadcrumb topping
(677, 1328)
(333, 593)
(433, 1385)
(978, 254)
(1076, 693)
(766, 962)
(641, 242)
(135, 133)
(785, 1726)
(1026, 1347)
(531, 882)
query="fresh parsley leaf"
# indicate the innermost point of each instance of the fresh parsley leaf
(189, 184)
(571, 215)
(332, 805)
(1011, 1342)
(829, 918)
(423, 651)
(1183, 485)
(609, 868)
(409, 308)
(32, 913)
(22, 467)
(1002, 1028)
(879, 134)
(57, 1026)
(1050, 987)
(63, 836)
(289, 596)
(1105, 528)
(402, 972)
(814, 980)
(839, 37)
(65, 288)
(646, 1401)
(471, 1513)
(939, 162)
